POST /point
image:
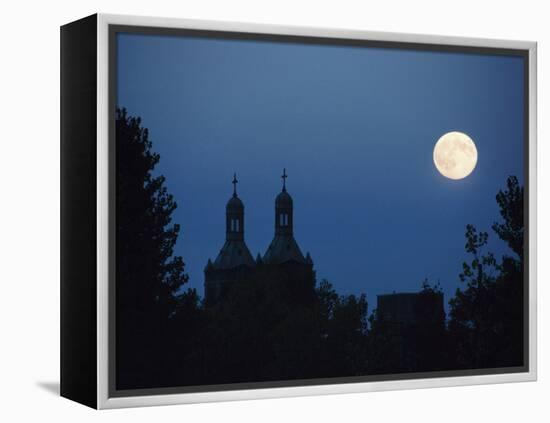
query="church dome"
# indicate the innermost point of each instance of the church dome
(283, 200)
(235, 204)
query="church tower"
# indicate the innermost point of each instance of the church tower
(283, 247)
(234, 261)
(284, 258)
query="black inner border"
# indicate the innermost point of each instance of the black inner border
(113, 30)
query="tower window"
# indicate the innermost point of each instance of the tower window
(235, 225)
(283, 219)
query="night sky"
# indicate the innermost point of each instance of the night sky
(355, 129)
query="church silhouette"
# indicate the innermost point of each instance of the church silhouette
(283, 261)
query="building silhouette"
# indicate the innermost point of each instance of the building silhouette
(283, 262)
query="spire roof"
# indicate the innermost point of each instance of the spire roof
(282, 249)
(234, 254)
(235, 204)
(283, 199)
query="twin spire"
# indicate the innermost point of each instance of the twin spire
(283, 247)
(234, 261)
(235, 212)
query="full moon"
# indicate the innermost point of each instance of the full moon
(455, 155)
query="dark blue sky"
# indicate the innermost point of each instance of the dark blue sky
(355, 128)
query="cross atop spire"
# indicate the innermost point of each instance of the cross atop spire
(234, 182)
(284, 176)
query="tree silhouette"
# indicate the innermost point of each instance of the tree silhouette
(510, 203)
(472, 309)
(486, 325)
(510, 284)
(148, 276)
(343, 324)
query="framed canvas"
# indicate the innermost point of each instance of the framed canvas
(389, 184)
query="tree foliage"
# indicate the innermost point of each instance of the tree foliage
(148, 275)
(511, 206)
(486, 325)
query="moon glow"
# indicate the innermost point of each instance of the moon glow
(455, 155)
